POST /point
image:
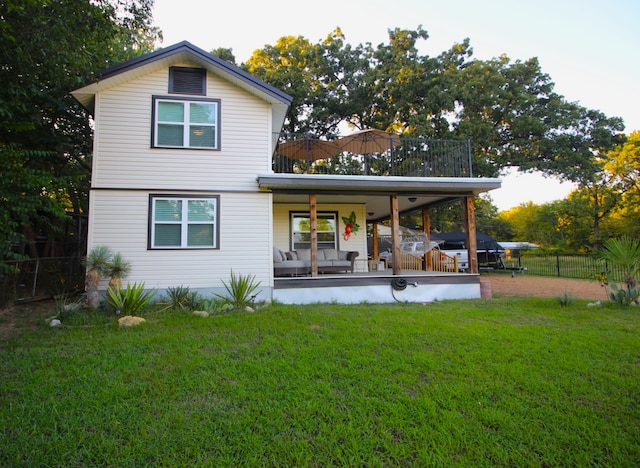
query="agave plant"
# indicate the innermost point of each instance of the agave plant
(623, 252)
(96, 263)
(117, 269)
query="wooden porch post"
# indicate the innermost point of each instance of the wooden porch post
(375, 254)
(395, 234)
(470, 228)
(313, 219)
(426, 227)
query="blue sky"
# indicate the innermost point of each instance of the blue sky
(589, 48)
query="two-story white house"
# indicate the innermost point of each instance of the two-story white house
(185, 187)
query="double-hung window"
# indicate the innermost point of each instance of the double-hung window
(326, 228)
(183, 222)
(186, 123)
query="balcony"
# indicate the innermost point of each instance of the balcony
(372, 153)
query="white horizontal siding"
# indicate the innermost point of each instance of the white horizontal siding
(124, 157)
(119, 219)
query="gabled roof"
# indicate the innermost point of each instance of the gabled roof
(184, 52)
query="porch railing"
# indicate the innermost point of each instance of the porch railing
(407, 157)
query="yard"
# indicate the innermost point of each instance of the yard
(508, 382)
(514, 381)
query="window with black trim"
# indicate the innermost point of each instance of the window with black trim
(301, 230)
(180, 222)
(180, 123)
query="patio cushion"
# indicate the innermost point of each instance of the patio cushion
(304, 254)
(330, 254)
(278, 255)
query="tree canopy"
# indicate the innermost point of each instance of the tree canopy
(508, 108)
(48, 48)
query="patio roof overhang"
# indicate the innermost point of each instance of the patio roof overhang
(374, 191)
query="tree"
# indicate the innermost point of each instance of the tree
(291, 65)
(540, 224)
(624, 166)
(508, 109)
(48, 48)
(97, 265)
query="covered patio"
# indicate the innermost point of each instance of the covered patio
(387, 180)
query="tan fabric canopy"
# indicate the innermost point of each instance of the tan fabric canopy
(369, 141)
(309, 149)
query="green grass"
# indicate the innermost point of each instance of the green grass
(505, 382)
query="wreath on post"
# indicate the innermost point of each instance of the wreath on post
(350, 225)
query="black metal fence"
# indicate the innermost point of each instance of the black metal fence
(405, 157)
(579, 266)
(39, 278)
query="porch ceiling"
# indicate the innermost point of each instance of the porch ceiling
(373, 191)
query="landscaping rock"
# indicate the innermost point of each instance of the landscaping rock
(201, 313)
(130, 321)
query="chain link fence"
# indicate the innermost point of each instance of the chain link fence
(24, 280)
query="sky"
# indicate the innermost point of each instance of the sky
(589, 48)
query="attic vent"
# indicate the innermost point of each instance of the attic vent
(183, 80)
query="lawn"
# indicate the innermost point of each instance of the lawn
(501, 382)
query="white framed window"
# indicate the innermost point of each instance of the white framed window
(181, 222)
(301, 230)
(180, 123)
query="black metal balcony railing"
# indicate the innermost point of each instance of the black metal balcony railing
(406, 157)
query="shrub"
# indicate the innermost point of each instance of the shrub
(129, 300)
(180, 297)
(213, 306)
(239, 290)
(625, 253)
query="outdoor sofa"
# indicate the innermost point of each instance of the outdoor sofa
(298, 262)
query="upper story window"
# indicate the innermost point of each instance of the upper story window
(185, 80)
(180, 123)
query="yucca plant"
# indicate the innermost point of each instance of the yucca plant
(239, 290)
(623, 252)
(180, 297)
(129, 300)
(117, 268)
(96, 263)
